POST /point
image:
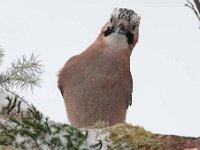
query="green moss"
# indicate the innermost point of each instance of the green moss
(131, 137)
(8, 148)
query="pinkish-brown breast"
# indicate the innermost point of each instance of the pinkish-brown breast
(96, 86)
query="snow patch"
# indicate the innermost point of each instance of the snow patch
(4, 101)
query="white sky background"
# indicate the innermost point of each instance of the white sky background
(165, 63)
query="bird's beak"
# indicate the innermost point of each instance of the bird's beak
(120, 29)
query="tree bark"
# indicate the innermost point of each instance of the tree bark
(197, 3)
(173, 142)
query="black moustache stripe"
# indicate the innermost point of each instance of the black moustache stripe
(128, 34)
(108, 31)
(130, 37)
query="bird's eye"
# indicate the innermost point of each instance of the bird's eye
(109, 31)
(109, 28)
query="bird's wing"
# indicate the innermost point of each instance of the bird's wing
(61, 75)
(131, 91)
(61, 91)
(60, 85)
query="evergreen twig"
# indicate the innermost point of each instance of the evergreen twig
(22, 74)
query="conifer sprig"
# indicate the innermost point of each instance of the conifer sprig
(22, 74)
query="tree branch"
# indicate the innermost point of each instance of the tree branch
(195, 10)
(197, 3)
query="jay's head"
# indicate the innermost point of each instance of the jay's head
(123, 27)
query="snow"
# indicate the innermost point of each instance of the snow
(94, 136)
(4, 102)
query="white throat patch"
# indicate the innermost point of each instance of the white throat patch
(116, 41)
